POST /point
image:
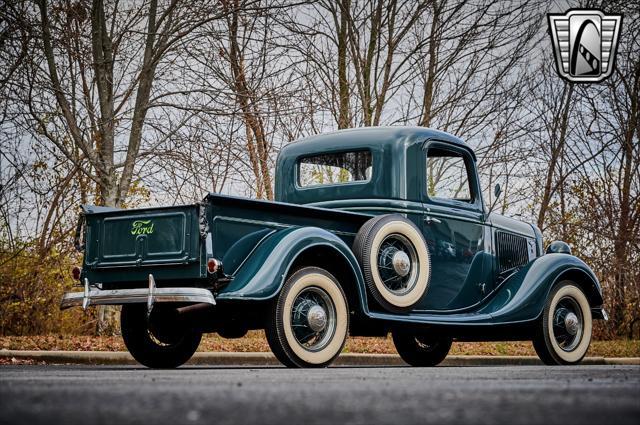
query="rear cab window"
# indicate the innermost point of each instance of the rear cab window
(335, 168)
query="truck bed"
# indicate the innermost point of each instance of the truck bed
(122, 247)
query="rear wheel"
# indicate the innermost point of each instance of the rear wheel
(160, 340)
(309, 321)
(421, 350)
(563, 334)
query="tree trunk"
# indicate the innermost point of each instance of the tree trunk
(258, 153)
(429, 85)
(557, 151)
(343, 83)
(624, 234)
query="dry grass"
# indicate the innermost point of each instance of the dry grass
(13, 361)
(256, 342)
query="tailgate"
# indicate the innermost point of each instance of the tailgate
(142, 237)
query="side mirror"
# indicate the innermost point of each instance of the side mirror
(496, 193)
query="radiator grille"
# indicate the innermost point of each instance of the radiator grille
(512, 251)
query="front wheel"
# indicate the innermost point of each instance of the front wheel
(563, 334)
(157, 341)
(421, 350)
(309, 321)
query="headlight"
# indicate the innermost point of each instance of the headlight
(558, 247)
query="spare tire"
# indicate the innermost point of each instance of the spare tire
(395, 261)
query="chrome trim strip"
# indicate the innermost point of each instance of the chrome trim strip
(453, 217)
(365, 202)
(407, 211)
(85, 295)
(137, 295)
(150, 263)
(209, 244)
(272, 224)
(374, 208)
(151, 296)
(250, 221)
(515, 232)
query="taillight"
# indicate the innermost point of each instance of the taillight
(212, 265)
(75, 272)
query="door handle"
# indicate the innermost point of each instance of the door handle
(431, 220)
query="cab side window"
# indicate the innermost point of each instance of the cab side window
(448, 176)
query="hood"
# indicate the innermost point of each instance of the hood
(512, 225)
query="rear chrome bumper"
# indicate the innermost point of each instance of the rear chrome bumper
(149, 295)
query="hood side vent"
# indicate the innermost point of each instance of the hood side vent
(512, 251)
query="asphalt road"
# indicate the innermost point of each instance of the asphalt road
(394, 395)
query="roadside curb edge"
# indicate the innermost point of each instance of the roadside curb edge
(267, 359)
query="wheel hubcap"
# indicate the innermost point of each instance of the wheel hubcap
(398, 264)
(401, 263)
(567, 324)
(317, 318)
(571, 323)
(313, 318)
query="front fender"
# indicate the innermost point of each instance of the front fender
(263, 273)
(522, 297)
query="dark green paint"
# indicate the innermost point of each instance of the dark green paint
(258, 241)
(115, 254)
(263, 274)
(520, 298)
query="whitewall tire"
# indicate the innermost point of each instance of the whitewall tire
(395, 261)
(310, 320)
(564, 332)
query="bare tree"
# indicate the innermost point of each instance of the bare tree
(257, 145)
(100, 105)
(611, 185)
(359, 54)
(247, 77)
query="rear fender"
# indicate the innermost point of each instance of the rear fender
(263, 273)
(523, 295)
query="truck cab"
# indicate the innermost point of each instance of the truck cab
(430, 177)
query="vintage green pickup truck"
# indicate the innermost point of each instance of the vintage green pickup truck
(373, 231)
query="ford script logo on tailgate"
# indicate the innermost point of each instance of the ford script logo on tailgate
(142, 227)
